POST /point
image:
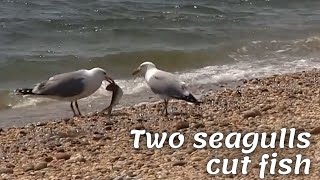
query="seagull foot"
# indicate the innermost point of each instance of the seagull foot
(102, 113)
(77, 116)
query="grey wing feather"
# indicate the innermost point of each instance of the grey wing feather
(168, 84)
(62, 85)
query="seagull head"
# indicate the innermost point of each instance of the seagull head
(101, 74)
(144, 67)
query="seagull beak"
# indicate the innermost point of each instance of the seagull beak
(136, 71)
(110, 80)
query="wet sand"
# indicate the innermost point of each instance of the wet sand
(51, 110)
(101, 147)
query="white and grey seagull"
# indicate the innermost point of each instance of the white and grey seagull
(165, 84)
(70, 86)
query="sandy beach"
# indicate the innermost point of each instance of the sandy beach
(101, 147)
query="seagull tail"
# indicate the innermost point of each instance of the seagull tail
(24, 91)
(192, 99)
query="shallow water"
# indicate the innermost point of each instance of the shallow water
(204, 42)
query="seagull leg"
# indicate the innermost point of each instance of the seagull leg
(165, 110)
(167, 104)
(77, 106)
(74, 112)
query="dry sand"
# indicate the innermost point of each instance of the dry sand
(101, 147)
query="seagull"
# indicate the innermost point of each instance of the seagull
(165, 84)
(70, 86)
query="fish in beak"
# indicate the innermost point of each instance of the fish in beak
(136, 71)
(110, 80)
(117, 93)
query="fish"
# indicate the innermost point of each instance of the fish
(117, 94)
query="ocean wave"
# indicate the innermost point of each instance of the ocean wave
(221, 65)
(222, 74)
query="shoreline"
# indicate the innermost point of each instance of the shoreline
(51, 110)
(26, 110)
(101, 147)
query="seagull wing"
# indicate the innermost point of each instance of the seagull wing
(62, 85)
(167, 84)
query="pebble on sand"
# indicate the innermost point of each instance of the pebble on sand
(48, 159)
(182, 125)
(268, 107)
(179, 163)
(64, 156)
(6, 170)
(28, 167)
(40, 166)
(9, 165)
(118, 158)
(77, 158)
(251, 113)
(315, 131)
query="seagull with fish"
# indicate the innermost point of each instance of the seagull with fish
(165, 84)
(70, 86)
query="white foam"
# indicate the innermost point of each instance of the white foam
(256, 59)
(210, 74)
(247, 70)
(229, 72)
(31, 101)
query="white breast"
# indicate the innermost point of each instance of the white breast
(91, 85)
(150, 73)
